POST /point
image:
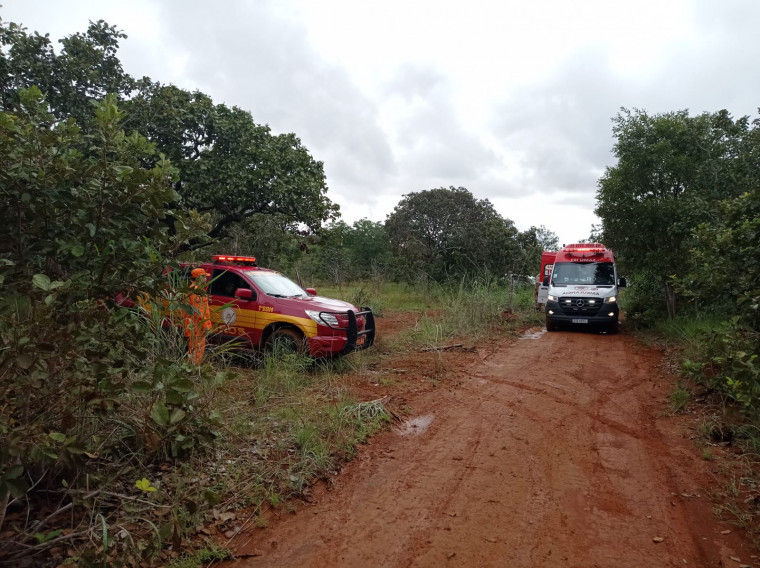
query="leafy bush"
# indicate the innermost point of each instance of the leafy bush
(84, 380)
(644, 300)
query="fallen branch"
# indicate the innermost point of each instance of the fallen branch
(31, 549)
(3, 507)
(444, 347)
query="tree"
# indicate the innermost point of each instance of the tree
(230, 168)
(85, 70)
(272, 239)
(447, 233)
(343, 252)
(672, 170)
(81, 219)
(726, 278)
(530, 244)
(369, 248)
(726, 260)
(547, 240)
(78, 205)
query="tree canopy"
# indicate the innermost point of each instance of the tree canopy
(230, 168)
(448, 232)
(672, 171)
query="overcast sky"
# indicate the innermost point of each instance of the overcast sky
(512, 100)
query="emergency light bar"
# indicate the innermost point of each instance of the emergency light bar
(224, 258)
(586, 247)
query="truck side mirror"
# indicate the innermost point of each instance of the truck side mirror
(244, 294)
(546, 281)
(621, 282)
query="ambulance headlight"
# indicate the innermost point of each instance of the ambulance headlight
(552, 298)
(610, 300)
(325, 318)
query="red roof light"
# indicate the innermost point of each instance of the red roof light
(224, 258)
(586, 247)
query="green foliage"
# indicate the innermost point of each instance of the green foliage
(645, 302)
(204, 557)
(274, 240)
(726, 259)
(672, 171)
(682, 210)
(447, 233)
(81, 220)
(145, 485)
(344, 253)
(472, 309)
(84, 70)
(84, 379)
(229, 167)
(734, 356)
(526, 259)
(725, 275)
(381, 295)
(679, 398)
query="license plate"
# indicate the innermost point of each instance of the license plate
(360, 340)
(580, 320)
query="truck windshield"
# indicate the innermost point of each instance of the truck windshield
(587, 273)
(276, 285)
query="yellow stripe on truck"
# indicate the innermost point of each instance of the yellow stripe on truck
(307, 325)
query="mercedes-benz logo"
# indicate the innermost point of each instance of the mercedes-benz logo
(579, 302)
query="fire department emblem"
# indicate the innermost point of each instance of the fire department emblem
(229, 316)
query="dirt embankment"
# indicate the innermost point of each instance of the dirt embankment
(551, 450)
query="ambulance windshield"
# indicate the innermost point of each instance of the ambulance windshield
(584, 274)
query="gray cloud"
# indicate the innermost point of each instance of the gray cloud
(562, 127)
(435, 147)
(264, 64)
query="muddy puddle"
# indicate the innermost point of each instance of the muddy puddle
(416, 426)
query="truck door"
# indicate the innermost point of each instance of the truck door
(235, 317)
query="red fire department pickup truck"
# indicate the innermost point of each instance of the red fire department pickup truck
(261, 307)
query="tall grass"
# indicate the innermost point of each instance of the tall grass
(469, 310)
(386, 295)
(690, 333)
(717, 361)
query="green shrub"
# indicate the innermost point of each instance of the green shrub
(90, 390)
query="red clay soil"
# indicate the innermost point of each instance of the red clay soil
(549, 451)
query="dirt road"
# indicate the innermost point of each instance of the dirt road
(551, 450)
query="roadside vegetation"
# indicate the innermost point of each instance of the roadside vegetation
(681, 209)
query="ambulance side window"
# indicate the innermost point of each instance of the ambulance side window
(225, 284)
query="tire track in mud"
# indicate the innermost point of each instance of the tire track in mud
(544, 452)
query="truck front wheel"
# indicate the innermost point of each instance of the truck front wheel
(286, 340)
(551, 326)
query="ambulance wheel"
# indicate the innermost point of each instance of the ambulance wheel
(286, 340)
(612, 328)
(551, 326)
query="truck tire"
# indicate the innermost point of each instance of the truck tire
(286, 340)
(612, 328)
(551, 326)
